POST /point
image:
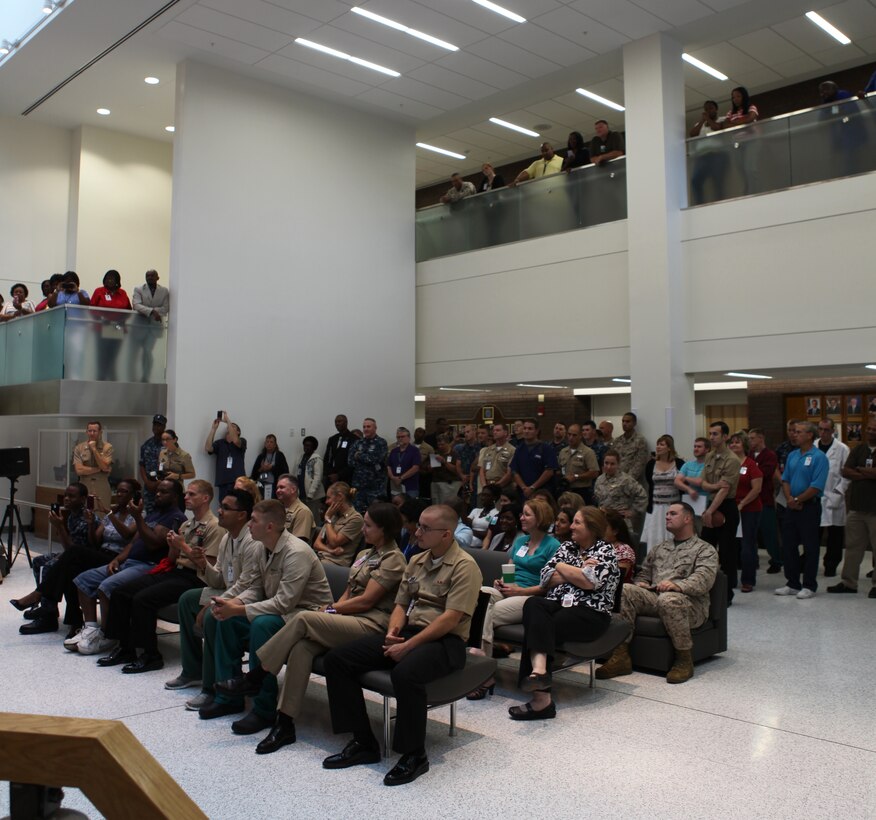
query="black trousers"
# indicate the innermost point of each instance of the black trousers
(833, 555)
(57, 580)
(420, 666)
(133, 610)
(723, 539)
(548, 623)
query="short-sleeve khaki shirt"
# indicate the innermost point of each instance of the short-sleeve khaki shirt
(387, 566)
(204, 532)
(576, 462)
(348, 524)
(495, 460)
(299, 520)
(723, 465)
(97, 483)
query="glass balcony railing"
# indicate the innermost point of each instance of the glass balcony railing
(817, 144)
(563, 202)
(82, 343)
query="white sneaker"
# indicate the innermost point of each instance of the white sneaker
(94, 643)
(71, 643)
(805, 593)
(786, 590)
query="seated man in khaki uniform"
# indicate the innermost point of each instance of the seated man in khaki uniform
(425, 641)
(674, 584)
(299, 518)
(93, 461)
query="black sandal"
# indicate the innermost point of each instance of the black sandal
(526, 712)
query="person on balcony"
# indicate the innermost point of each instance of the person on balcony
(152, 301)
(549, 163)
(458, 190)
(48, 286)
(111, 326)
(606, 145)
(20, 304)
(68, 292)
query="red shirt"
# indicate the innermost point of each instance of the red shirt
(768, 462)
(747, 471)
(118, 300)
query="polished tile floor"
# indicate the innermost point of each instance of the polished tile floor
(781, 725)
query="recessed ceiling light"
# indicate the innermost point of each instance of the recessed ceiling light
(401, 27)
(832, 30)
(585, 93)
(747, 376)
(499, 10)
(169, 128)
(5, 47)
(463, 389)
(419, 397)
(441, 151)
(870, 366)
(151, 80)
(718, 75)
(623, 381)
(343, 56)
(544, 386)
(513, 127)
(104, 112)
(48, 8)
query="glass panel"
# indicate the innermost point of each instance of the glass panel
(126, 454)
(4, 353)
(19, 337)
(48, 345)
(54, 458)
(563, 202)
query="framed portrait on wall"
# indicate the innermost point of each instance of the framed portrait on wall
(853, 432)
(833, 406)
(871, 404)
(813, 406)
(488, 414)
(854, 407)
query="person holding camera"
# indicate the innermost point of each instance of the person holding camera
(229, 451)
(68, 292)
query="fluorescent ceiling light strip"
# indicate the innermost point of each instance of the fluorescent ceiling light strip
(545, 386)
(601, 391)
(419, 397)
(623, 381)
(704, 67)
(832, 30)
(499, 10)
(720, 386)
(585, 93)
(441, 151)
(748, 376)
(513, 127)
(343, 56)
(870, 366)
(406, 29)
(463, 389)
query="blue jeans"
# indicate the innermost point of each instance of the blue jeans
(750, 522)
(802, 527)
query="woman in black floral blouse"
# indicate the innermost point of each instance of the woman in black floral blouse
(580, 582)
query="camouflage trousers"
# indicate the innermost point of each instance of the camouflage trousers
(673, 608)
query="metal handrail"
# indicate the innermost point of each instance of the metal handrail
(35, 506)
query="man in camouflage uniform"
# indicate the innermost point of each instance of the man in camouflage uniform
(495, 458)
(674, 584)
(368, 459)
(633, 448)
(578, 465)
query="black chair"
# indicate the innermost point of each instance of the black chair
(337, 578)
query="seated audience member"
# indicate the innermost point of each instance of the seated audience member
(577, 154)
(403, 466)
(424, 641)
(491, 180)
(660, 474)
(531, 551)
(606, 145)
(111, 294)
(310, 472)
(580, 582)
(619, 491)
(484, 516)
(173, 461)
(505, 531)
(287, 578)
(572, 500)
(748, 503)
(618, 535)
(463, 533)
(133, 608)
(237, 557)
(299, 518)
(341, 534)
(67, 292)
(549, 163)
(562, 529)
(19, 305)
(363, 609)
(547, 496)
(48, 286)
(459, 189)
(53, 572)
(139, 557)
(269, 465)
(248, 486)
(410, 512)
(674, 584)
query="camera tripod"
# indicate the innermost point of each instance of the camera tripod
(11, 518)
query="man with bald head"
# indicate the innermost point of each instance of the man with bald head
(549, 163)
(425, 641)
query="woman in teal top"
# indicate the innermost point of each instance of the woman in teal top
(530, 552)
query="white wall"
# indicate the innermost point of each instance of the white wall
(292, 262)
(122, 207)
(35, 181)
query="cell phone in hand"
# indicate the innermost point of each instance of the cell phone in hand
(137, 497)
(219, 415)
(56, 509)
(89, 503)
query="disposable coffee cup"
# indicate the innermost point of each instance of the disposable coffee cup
(508, 573)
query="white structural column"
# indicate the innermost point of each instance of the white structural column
(662, 393)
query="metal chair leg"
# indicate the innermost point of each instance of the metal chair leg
(387, 726)
(592, 671)
(453, 719)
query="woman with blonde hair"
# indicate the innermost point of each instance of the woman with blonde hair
(341, 534)
(246, 484)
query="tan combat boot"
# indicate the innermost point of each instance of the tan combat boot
(682, 669)
(618, 664)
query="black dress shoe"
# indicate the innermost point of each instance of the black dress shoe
(39, 626)
(872, 593)
(774, 569)
(34, 613)
(118, 656)
(217, 709)
(251, 724)
(408, 769)
(526, 712)
(841, 587)
(238, 687)
(354, 754)
(145, 663)
(282, 734)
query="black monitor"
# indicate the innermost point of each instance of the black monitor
(14, 462)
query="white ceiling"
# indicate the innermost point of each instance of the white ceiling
(525, 73)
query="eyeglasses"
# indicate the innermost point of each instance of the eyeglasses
(229, 509)
(423, 528)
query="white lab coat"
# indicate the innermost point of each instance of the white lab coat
(833, 503)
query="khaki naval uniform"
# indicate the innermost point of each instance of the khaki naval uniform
(299, 520)
(309, 634)
(430, 588)
(178, 462)
(495, 460)
(692, 565)
(574, 463)
(97, 483)
(348, 524)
